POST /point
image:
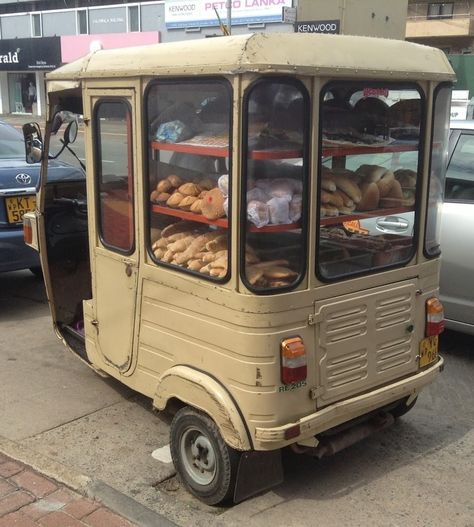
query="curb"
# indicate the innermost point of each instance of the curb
(92, 488)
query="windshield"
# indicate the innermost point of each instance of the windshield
(11, 143)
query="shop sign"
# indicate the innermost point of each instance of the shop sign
(201, 13)
(318, 26)
(20, 54)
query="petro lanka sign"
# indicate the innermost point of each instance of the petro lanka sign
(202, 13)
(20, 54)
(318, 26)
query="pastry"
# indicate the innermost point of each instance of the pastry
(370, 197)
(213, 204)
(196, 206)
(186, 202)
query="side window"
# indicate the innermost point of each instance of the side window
(114, 169)
(189, 138)
(273, 212)
(369, 176)
(460, 173)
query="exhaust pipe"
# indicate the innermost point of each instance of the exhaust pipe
(331, 445)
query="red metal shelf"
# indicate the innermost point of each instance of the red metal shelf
(336, 220)
(221, 222)
(262, 155)
(202, 150)
(348, 150)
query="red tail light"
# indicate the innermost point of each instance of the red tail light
(293, 360)
(27, 231)
(434, 317)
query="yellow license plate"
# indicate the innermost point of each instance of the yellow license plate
(17, 207)
(428, 351)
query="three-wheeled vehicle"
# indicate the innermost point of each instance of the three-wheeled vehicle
(240, 251)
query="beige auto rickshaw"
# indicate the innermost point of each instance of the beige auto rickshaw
(255, 245)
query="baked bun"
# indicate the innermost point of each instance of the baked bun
(164, 185)
(175, 199)
(370, 197)
(175, 180)
(213, 204)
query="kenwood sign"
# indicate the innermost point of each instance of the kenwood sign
(318, 26)
(22, 54)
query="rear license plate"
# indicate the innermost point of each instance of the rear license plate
(428, 351)
(17, 207)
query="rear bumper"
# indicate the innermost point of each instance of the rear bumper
(14, 253)
(343, 411)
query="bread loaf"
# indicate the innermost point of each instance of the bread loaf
(348, 186)
(175, 181)
(213, 204)
(370, 197)
(186, 202)
(164, 186)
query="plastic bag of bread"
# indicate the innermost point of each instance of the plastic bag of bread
(281, 188)
(279, 209)
(257, 194)
(258, 213)
(223, 184)
(296, 207)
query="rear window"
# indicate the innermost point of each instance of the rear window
(369, 177)
(11, 143)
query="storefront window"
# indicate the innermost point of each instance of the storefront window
(369, 177)
(22, 92)
(189, 132)
(273, 203)
(439, 160)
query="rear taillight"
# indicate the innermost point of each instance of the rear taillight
(293, 360)
(27, 231)
(434, 317)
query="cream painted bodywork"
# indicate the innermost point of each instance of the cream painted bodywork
(218, 346)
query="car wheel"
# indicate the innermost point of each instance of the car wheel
(402, 408)
(37, 271)
(204, 462)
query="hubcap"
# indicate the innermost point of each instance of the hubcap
(198, 455)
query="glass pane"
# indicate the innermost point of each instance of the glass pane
(115, 174)
(189, 129)
(439, 159)
(277, 131)
(36, 25)
(133, 18)
(82, 22)
(370, 146)
(460, 174)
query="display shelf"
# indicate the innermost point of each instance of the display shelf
(337, 220)
(223, 151)
(348, 150)
(186, 148)
(221, 222)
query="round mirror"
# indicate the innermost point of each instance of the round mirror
(70, 133)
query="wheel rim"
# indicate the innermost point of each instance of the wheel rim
(198, 456)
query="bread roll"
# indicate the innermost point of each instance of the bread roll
(163, 197)
(253, 275)
(206, 184)
(370, 197)
(346, 200)
(331, 198)
(195, 265)
(219, 262)
(164, 186)
(159, 253)
(186, 202)
(348, 186)
(177, 228)
(181, 245)
(385, 183)
(328, 183)
(175, 181)
(217, 244)
(406, 177)
(394, 198)
(174, 200)
(196, 206)
(278, 272)
(196, 246)
(189, 189)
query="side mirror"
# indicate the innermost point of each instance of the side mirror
(70, 134)
(33, 143)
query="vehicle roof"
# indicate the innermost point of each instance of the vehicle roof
(462, 125)
(337, 55)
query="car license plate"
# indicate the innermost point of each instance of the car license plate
(17, 207)
(428, 351)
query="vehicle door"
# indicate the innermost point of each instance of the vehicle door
(457, 234)
(115, 252)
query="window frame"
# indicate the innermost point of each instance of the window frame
(146, 184)
(97, 170)
(436, 91)
(359, 85)
(79, 12)
(34, 17)
(439, 15)
(296, 82)
(129, 10)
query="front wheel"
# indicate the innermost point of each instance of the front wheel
(402, 408)
(204, 462)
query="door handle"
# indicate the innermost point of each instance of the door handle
(392, 223)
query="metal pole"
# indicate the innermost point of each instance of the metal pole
(229, 16)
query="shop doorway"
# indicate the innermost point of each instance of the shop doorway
(22, 91)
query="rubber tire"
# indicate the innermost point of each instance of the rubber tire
(221, 488)
(37, 271)
(403, 408)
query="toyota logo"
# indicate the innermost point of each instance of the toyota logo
(23, 179)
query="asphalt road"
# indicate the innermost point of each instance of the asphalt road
(419, 472)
